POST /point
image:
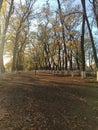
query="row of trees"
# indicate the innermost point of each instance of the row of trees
(67, 36)
(64, 37)
(15, 24)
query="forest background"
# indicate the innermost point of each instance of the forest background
(49, 35)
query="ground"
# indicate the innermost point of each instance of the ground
(48, 102)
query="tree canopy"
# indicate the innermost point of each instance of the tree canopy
(58, 35)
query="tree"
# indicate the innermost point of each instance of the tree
(3, 37)
(82, 40)
(63, 31)
(23, 15)
(91, 37)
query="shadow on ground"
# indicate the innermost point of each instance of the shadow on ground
(47, 102)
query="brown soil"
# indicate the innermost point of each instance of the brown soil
(48, 102)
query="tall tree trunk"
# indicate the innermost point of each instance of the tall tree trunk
(15, 49)
(63, 31)
(92, 41)
(4, 35)
(59, 56)
(71, 62)
(82, 45)
(82, 41)
(59, 50)
(20, 54)
(77, 59)
(91, 35)
(1, 1)
(15, 52)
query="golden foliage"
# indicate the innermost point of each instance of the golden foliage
(70, 32)
(23, 8)
(4, 7)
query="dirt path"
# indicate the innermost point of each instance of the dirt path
(47, 102)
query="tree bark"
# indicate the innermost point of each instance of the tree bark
(82, 42)
(95, 10)
(92, 41)
(77, 59)
(63, 32)
(91, 36)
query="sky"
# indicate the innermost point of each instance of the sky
(39, 3)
